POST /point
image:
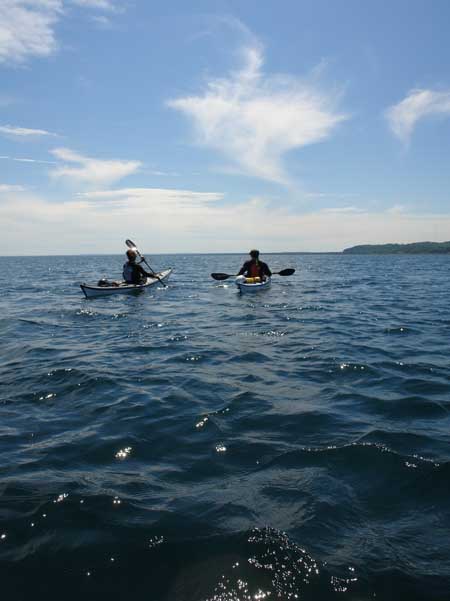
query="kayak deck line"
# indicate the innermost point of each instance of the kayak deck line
(93, 290)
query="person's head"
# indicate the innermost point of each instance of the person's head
(131, 255)
(254, 254)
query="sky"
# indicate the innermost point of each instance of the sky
(222, 125)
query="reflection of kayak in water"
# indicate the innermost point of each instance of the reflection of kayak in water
(251, 284)
(92, 290)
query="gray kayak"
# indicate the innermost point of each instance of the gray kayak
(93, 290)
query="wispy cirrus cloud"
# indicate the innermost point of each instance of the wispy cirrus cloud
(98, 4)
(24, 132)
(107, 8)
(417, 105)
(26, 160)
(91, 171)
(253, 119)
(102, 21)
(153, 199)
(4, 188)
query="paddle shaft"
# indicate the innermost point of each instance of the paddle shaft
(152, 270)
(225, 276)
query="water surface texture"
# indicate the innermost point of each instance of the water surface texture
(192, 444)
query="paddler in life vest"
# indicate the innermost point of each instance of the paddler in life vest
(255, 268)
(133, 273)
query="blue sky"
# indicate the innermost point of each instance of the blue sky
(222, 125)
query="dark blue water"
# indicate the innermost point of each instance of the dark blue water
(192, 444)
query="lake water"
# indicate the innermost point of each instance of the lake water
(192, 444)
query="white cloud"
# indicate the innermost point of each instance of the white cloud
(102, 22)
(348, 209)
(23, 132)
(254, 119)
(150, 198)
(417, 105)
(190, 221)
(397, 209)
(164, 173)
(11, 188)
(334, 195)
(97, 172)
(98, 4)
(26, 160)
(27, 28)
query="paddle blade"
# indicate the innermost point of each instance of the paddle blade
(130, 244)
(221, 276)
(288, 271)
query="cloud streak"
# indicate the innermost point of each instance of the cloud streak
(254, 119)
(96, 4)
(151, 198)
(4, 188)
(27, 160)
(24, 132)
(417, 105)
(87, 170)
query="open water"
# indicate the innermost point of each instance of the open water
(192, 444)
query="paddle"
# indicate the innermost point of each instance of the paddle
(132, 245)
(225, 276)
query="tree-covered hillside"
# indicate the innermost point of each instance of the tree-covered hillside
(414, 248)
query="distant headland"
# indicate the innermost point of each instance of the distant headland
(414, 248)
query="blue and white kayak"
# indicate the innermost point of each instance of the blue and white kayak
(247, 285)
(93, 290)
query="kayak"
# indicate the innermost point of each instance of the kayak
(92, 290)
(245, 286)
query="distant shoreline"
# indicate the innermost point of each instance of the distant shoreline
(413, 248)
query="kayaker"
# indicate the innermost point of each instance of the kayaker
(255, 268)
(134, 273)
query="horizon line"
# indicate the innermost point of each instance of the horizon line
(160, 254)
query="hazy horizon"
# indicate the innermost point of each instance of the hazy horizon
(238, 253)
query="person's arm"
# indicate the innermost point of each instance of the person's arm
(267, 271)
(243, 269)
(149, 275)
(143, 272)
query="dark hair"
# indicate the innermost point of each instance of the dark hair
(254, 253)
(131, 254)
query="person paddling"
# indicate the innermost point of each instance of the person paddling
(255, 268)
(134, 273)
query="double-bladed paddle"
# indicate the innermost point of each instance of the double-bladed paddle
(132, 245)
(225, 276)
